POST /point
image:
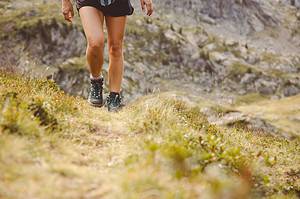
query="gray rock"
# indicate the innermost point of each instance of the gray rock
(234, 118)
(248, 78)
(291, 90)
(248, 15)
(231, 43)
(229, 119)
(210, 47)
(266, 87)
(254, 124)
(171, 35)
(298, 15)
(153, 28)
(217, 57)
(207, 19)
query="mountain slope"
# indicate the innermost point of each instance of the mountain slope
(213, 112)
(157, 147)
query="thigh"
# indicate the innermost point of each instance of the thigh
(92, 22)
(115, 29)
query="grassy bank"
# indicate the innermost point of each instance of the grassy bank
(56, 146)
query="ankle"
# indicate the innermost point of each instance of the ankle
(95, 77)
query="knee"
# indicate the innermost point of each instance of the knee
(116, 49)
(96, 45)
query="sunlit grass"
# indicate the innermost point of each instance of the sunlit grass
(156, 147)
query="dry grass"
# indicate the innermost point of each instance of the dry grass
(284, 113)
(157, 147)
(56, 146)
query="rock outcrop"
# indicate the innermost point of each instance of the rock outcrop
(243, 16)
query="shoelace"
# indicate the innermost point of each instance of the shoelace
(115, 99)
(96, 87)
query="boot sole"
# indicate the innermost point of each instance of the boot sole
(95, 105)
(115, 109)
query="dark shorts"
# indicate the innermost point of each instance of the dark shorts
(117, 9)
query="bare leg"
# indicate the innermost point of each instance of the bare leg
(116, 30)
(92, 22)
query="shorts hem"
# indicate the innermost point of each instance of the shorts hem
(106, 13)
(118, 15)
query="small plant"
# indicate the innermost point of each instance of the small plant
(42, 114)
(16, 119)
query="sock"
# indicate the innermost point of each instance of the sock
(94, 78)
(113, 94)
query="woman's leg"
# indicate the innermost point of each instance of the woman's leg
(92, 22)
(116, 30)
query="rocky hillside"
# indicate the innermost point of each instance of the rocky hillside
(213, 104)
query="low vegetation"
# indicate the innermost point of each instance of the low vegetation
(53, 145)
(156, 147)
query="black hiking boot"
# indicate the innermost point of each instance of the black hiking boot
(96, 92)
(114, 102)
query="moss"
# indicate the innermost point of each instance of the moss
(134, 28)
(221, 110)
(270, 58)
(77, 63)
(238, 69)
(249, 98)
